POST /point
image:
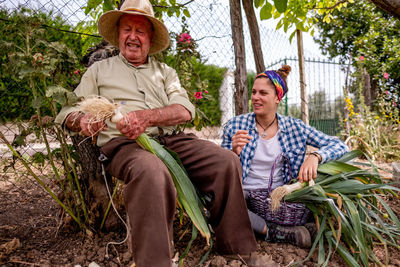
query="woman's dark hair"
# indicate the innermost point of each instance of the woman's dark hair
(284, 72)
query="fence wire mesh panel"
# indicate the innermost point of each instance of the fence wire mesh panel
(72, 11)
(325, 81)
(210, 27)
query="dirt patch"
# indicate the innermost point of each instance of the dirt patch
(31, 235)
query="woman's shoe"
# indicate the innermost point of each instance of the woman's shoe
(295, 235)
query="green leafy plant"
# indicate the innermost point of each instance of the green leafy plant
(187, 195)
(43, 66)
(376, 132)
(350, 211)
(19, 27)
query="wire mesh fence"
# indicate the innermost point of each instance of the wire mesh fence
(209, 25)
(324, 87)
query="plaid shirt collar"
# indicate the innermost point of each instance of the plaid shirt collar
(281, 122)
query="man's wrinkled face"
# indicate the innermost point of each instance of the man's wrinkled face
(135, 34)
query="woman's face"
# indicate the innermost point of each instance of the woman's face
(264, 97)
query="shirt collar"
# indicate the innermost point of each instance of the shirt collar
(143, 66)
(281, 123)
(253, 121)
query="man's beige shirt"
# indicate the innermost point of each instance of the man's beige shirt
(149, 86)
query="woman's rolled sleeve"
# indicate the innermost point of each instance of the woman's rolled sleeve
(330, 147)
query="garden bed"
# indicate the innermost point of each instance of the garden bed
(31, 235)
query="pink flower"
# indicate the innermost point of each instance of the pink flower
(205, 91)
(386, 75)
(38, 57)
(362, 58)
(185, 38)
(77, 72)
(198, 95)
(387, 92)
(394, 104)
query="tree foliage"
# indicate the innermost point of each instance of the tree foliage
(370, 39)
(300, 14)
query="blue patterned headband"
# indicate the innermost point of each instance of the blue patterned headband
(278, 82)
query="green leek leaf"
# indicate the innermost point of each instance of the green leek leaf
(187, 194)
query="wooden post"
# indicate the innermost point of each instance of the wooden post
(367, 88)
(241, 93)
(346, 94)
(304, 101)
(254, 34)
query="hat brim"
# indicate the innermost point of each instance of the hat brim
(108, 29)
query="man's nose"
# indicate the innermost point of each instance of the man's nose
(133, 36)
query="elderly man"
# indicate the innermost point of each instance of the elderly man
(154, 102)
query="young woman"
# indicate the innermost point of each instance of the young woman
(272, 146)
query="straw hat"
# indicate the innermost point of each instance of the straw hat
(108, 24)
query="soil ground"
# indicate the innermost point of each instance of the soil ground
(31, 234)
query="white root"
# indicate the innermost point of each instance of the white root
(117, 115)
(280, 192)
(101, 109)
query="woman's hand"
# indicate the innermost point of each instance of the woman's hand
(308, 170)
(239, 140)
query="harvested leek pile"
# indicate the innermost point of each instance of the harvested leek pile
(350, 212)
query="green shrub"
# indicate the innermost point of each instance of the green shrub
(215, 76)
(16, 26)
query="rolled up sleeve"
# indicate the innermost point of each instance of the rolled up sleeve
(175, 93)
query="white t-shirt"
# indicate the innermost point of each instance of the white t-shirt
(260, 170)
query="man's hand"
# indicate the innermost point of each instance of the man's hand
(90, 127)
(239, 140)
(134, 123)
(308, 170)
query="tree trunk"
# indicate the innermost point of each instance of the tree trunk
(367, 89)
(93, 184)
(91, 177)
(241, 93)
(391, 7)
(304, 102)
(254, 34)
(374, 91)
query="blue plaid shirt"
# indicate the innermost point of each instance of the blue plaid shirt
(293, 135)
